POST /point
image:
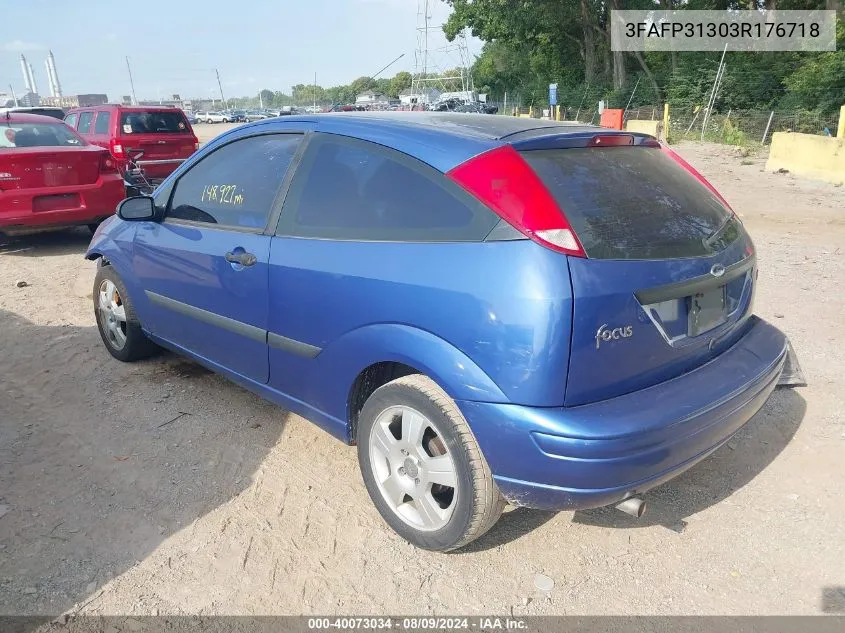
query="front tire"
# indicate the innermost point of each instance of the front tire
(116, 319)
(423, 467)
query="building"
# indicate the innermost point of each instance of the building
(29, 100)
(75, 101)
(370, 98)
(421, 96)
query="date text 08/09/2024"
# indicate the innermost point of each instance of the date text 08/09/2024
(486, 623)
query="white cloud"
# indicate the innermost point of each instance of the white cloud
(19, 46)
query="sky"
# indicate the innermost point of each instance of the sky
(175, 45)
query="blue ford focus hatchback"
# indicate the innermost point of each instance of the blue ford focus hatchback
(493, 309)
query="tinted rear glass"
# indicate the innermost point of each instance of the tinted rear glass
(634, 203)
(39, 135)
(153, 122)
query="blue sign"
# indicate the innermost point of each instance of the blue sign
(552, 94)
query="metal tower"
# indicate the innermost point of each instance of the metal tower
(439, 64)
(53, 75)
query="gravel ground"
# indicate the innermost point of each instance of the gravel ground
(159, 488)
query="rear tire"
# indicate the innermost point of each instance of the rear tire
(117, 322)
(413, 442)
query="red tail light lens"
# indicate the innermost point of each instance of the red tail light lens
(693, 172)
(107, 164)
(611, 140)
(503, 181)
(116, 149)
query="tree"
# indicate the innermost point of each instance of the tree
(360, 85)
(401, 81)
(267, 98)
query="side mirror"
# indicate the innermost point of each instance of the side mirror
(137, 208)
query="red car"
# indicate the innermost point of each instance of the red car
(157, 138)
(51, 178)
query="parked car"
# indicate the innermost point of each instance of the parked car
(212, 116)
(191, 117)
(237, 116)
(492, 308)
(56, 113)
(157, 138)
(51, 178)
(255, 115)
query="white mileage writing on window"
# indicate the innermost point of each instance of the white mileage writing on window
(222, 194)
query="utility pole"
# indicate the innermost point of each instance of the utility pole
(131, 83)
(219, 85)
(315, 92)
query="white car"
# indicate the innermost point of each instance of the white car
(212, 117)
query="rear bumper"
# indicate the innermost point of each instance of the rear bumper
(95, 202)
(597, 454)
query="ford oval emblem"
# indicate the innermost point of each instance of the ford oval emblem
(718, 270)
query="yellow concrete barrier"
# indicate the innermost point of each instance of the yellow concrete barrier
(819, 157)
(644, 127)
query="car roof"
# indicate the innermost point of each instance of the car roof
(441, 139)
(25, 117)
(127, 108)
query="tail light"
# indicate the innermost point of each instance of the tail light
(107, 164)
(694, 173)
(503, 181)
(611, 140)
(116, 149)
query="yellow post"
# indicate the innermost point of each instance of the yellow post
(666, 123)
(840, 131)
(531, 112)
(559, 117)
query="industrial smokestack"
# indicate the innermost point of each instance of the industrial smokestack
(54, 75)
(25, 71)
(32, 78)
(49, 78)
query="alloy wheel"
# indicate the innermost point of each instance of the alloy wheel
(412, 468)
(112, 314)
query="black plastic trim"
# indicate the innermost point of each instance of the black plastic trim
(212, 318)
(695, 285)
(292, 346)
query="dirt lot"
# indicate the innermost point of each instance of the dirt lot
(161, 488)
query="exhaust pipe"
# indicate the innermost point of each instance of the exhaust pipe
(634, 506)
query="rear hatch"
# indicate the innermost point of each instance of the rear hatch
(38, 155)
(159, 135)
(668, 281)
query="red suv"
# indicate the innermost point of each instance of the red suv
(157, 138)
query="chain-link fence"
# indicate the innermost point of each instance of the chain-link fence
(745, 127)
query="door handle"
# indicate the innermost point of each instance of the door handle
(244, 259)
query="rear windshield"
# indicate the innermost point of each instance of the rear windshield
(634, 203)
(153, 122)
(38, 135)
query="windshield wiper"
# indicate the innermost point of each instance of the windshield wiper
(708, 241)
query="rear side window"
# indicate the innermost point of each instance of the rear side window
(85, 122)
(355, 190)
(153, 122)
(634, 203)
(70, 121)
(102, 124)
(235, 185)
